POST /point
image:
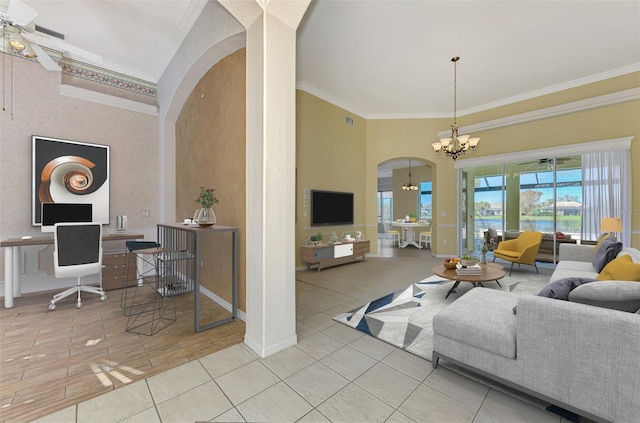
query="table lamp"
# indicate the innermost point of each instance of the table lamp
(611, 225)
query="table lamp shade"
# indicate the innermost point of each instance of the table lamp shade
(611, 224)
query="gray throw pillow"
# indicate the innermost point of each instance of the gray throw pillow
(607, 251)
(616, 295)
(561, 288)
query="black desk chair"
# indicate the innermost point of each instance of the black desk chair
(77, 253)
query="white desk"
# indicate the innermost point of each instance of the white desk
(410, 239)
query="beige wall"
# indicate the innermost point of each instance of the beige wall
(330, 155)
(210, 152)
(411, 138)
(39, 109)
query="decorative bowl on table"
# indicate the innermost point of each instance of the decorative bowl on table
(468, 261)
(450, 263)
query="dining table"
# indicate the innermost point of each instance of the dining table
(410, 235)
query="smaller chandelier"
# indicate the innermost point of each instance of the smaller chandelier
(456, 145)
(409, 186)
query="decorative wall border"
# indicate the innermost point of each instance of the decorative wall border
(103, 76)
(100, 75)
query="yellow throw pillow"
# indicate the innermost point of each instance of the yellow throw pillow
(602, 237)
(621, 269)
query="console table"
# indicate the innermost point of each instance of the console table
(186, 239)
(12, 259)
(326, 255)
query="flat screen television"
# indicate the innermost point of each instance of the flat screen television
(53, 213)
(331, 208)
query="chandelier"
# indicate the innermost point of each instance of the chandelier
(410, 186)
(455, 146)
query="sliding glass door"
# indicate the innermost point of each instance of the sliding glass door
(500, 201)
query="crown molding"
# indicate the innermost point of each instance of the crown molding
(97, 74)
(302, 86)
(562, 109)
(483, 107)
(554, 89)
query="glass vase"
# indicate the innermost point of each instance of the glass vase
(205, 217)
(484, 258)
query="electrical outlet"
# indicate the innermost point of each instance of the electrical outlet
(444, 242)
(146, 213)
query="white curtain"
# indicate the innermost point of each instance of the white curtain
(606, 192)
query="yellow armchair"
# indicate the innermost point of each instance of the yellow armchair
(521, 250)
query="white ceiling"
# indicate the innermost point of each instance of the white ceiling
(389, 58)
(386, 59)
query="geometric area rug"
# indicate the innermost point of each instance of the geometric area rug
(404, 318)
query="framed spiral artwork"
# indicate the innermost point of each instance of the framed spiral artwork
(70, 172)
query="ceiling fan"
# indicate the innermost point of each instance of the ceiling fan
(20, 33)
(548, 161)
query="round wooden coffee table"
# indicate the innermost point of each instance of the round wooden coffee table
(490, 272)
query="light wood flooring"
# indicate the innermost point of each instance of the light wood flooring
(52, 359)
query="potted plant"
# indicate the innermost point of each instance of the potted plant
(205, 215)
(316, 239)
(412, 217)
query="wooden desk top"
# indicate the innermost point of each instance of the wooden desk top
(490, 272)
(48, 239)
(194, 227)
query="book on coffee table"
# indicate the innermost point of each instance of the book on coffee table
(468, 270)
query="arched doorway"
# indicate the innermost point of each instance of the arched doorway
(393, 201)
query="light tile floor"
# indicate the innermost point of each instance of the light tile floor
(333, 374)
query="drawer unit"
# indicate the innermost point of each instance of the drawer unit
(113, 270)
(331, 255)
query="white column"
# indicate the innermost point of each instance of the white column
(271, 160)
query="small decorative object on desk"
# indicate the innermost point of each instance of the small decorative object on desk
(205, 216)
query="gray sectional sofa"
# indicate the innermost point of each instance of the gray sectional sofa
(582, 355)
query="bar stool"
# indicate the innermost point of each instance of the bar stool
(152, 305)
(140, 273)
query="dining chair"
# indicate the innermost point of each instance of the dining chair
(425, 237)
(391, 235)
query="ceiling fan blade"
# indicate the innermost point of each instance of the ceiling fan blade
(59, 45)
(21, 13)
(45, 59)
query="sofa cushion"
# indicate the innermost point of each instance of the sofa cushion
(605, 252)
(569, 268)
(634, 253)
(561, 288)
(601, 238)
(621, 268)
(482, 318)
(616, 295)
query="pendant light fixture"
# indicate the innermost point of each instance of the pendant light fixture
(455, 146)
(409, 186)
